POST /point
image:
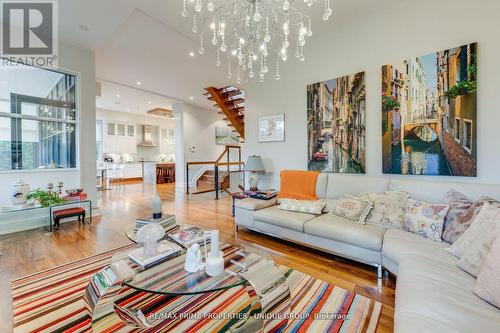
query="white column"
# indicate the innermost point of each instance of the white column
(180, 160)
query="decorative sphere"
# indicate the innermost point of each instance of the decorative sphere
(150, 233)
(210, 6)
(257, 17)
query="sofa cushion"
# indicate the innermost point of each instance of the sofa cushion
(437, 291)
(314, 207)
(283, 218)
(254, 204)
(335, 228)
(398, 243)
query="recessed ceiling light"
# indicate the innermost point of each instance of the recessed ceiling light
(117, 95)
(98, 105)
(139, 83)
(191, 54)
(128, 110)
(84, 27)
(191, 98)
(149, 102)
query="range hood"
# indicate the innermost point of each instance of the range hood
(147, 137)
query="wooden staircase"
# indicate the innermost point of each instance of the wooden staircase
(231, 103)
(206, 183)
(216, 180)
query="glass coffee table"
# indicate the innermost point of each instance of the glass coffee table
(252, 295)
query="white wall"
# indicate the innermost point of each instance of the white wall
(413, 28)
(80, 62)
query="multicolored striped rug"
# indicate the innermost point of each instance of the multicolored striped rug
(52, 301)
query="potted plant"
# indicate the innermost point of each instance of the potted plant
(45, 198)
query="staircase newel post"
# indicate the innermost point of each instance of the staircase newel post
(228, 150)
(216, 182)
(187, 178)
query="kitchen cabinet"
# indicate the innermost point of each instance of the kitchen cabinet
(120, 138)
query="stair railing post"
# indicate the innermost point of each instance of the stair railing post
(216, 182)
(239, 157)
(187, 178)
(228, 150)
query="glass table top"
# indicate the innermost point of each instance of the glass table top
(170, 278)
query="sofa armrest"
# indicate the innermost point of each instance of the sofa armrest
(254, 204)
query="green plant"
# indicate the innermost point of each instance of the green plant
(45, 198)
(467, 86)
(390, 103)
(461, 88)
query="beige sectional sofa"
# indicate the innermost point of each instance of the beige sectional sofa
(432, 293)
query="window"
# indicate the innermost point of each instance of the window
(111, 129)
(121, 129)
(131, 130)
(38, 118)
(467, 135)
(457, 129)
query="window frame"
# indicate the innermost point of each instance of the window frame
(77, 121)
(465, 136)
(457, 132)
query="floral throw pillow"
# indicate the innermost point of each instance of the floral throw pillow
(455, 224)
(426, 219)
(303, 206)
(351, 208)
(389, 209)
(464, 219)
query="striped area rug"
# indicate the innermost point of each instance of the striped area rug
(52, 301)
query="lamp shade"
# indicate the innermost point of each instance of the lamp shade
(254, 163)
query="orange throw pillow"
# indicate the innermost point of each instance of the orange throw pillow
(298, 184)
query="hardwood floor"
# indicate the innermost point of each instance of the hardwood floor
(29, 252)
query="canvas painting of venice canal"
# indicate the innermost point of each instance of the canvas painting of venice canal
(429, 114)
(336, 125)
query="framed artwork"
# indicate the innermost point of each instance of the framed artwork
(225, 136)
(429, 114)
(336, 125)
(272, 128)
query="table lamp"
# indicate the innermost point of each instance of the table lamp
(254, 165)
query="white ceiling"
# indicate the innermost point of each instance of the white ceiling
(117, 97)
(149, 41)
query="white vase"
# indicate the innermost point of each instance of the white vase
(20, 190)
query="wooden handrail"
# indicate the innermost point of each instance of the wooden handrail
(229, 163)
(200, 163)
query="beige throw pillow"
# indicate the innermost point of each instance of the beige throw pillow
(303, 206)
(488, 281)
(473, 256)
(351, 209)
(389, 209)
(484, 221)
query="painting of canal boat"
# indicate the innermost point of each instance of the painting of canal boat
(429, 114)
(336, 125)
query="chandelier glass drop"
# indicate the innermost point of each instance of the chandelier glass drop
(251, 34)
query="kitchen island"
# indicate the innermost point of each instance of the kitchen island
(149, 171)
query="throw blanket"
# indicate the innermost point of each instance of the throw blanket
(298, 184)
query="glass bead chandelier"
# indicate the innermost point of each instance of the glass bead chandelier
(251, 34)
